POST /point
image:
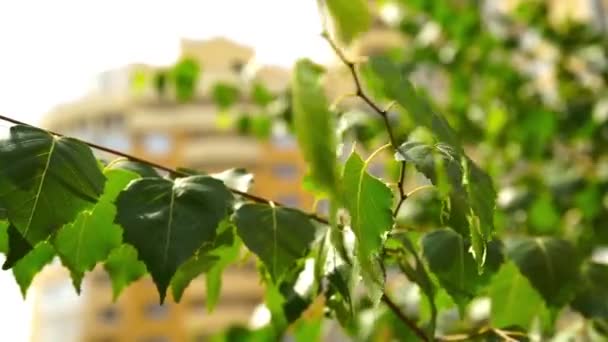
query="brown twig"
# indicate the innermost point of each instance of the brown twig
(383, 113)
(246, 195)
(411, 324)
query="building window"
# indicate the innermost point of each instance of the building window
(284, 141)
(116, 140)
(290, 200)
(285, 171)
(157, 143)
(156, 311)
(101, 278)
(109, 315)
(197, 304)
(237, 66)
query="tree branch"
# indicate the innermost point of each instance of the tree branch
(411, 324)
(352, 68)
(246, 195)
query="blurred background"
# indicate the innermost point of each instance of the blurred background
(206, 85)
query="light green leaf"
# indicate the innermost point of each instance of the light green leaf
(314, 125)
(227, 253)
(514, 301)
(351, 17)
(4, 237)
(592, 295)
(168, 221)
(206, 258)
(369, 202)
(26, 269)
(93, 235)
(280, 237)
(551, 266)
(88, 240)
(124, 268)
(45, 181)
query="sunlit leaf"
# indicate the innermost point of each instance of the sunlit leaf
(26, 269)
(351, 17)
(314, 125)
(514, 301)
(369, 202)
(124, 268)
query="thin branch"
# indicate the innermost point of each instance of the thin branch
(412, 325)
(246, 195)
(402, 195)
(352, 68)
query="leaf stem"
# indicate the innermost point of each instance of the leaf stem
(246, 195)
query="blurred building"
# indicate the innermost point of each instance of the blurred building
(189, 134)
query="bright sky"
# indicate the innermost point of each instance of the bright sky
(51, 52)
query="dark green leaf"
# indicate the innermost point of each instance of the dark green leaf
(469, 188)
(592, 295)
(351, 17)
(448, 257)
(369, 203)
(17, 246)
(168, 221)
(4, 237)
(514, 301)
(261, 95)
(314, 125)
(280, 237)
(45, 181)
(26, 268)
(124, 268)
(551, 266)
(138, 168)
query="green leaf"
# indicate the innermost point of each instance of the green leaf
(592, 295)
(314, 125)
(280, 237)
(4, 237)
(185, 75)
(227, 254)
(514, 301)
(168, 221)
(124, 268)
(26, 269)
(93, 235)
(544, 217)
(369, 202)
(398, 88)
(45, 181)
(224, 95)
(351, 17)
(448, 257)
(469, 188)
(206, 258)
(141, 169)
(551, 266)
(17, 246)
(88, 240)
(261, 95)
